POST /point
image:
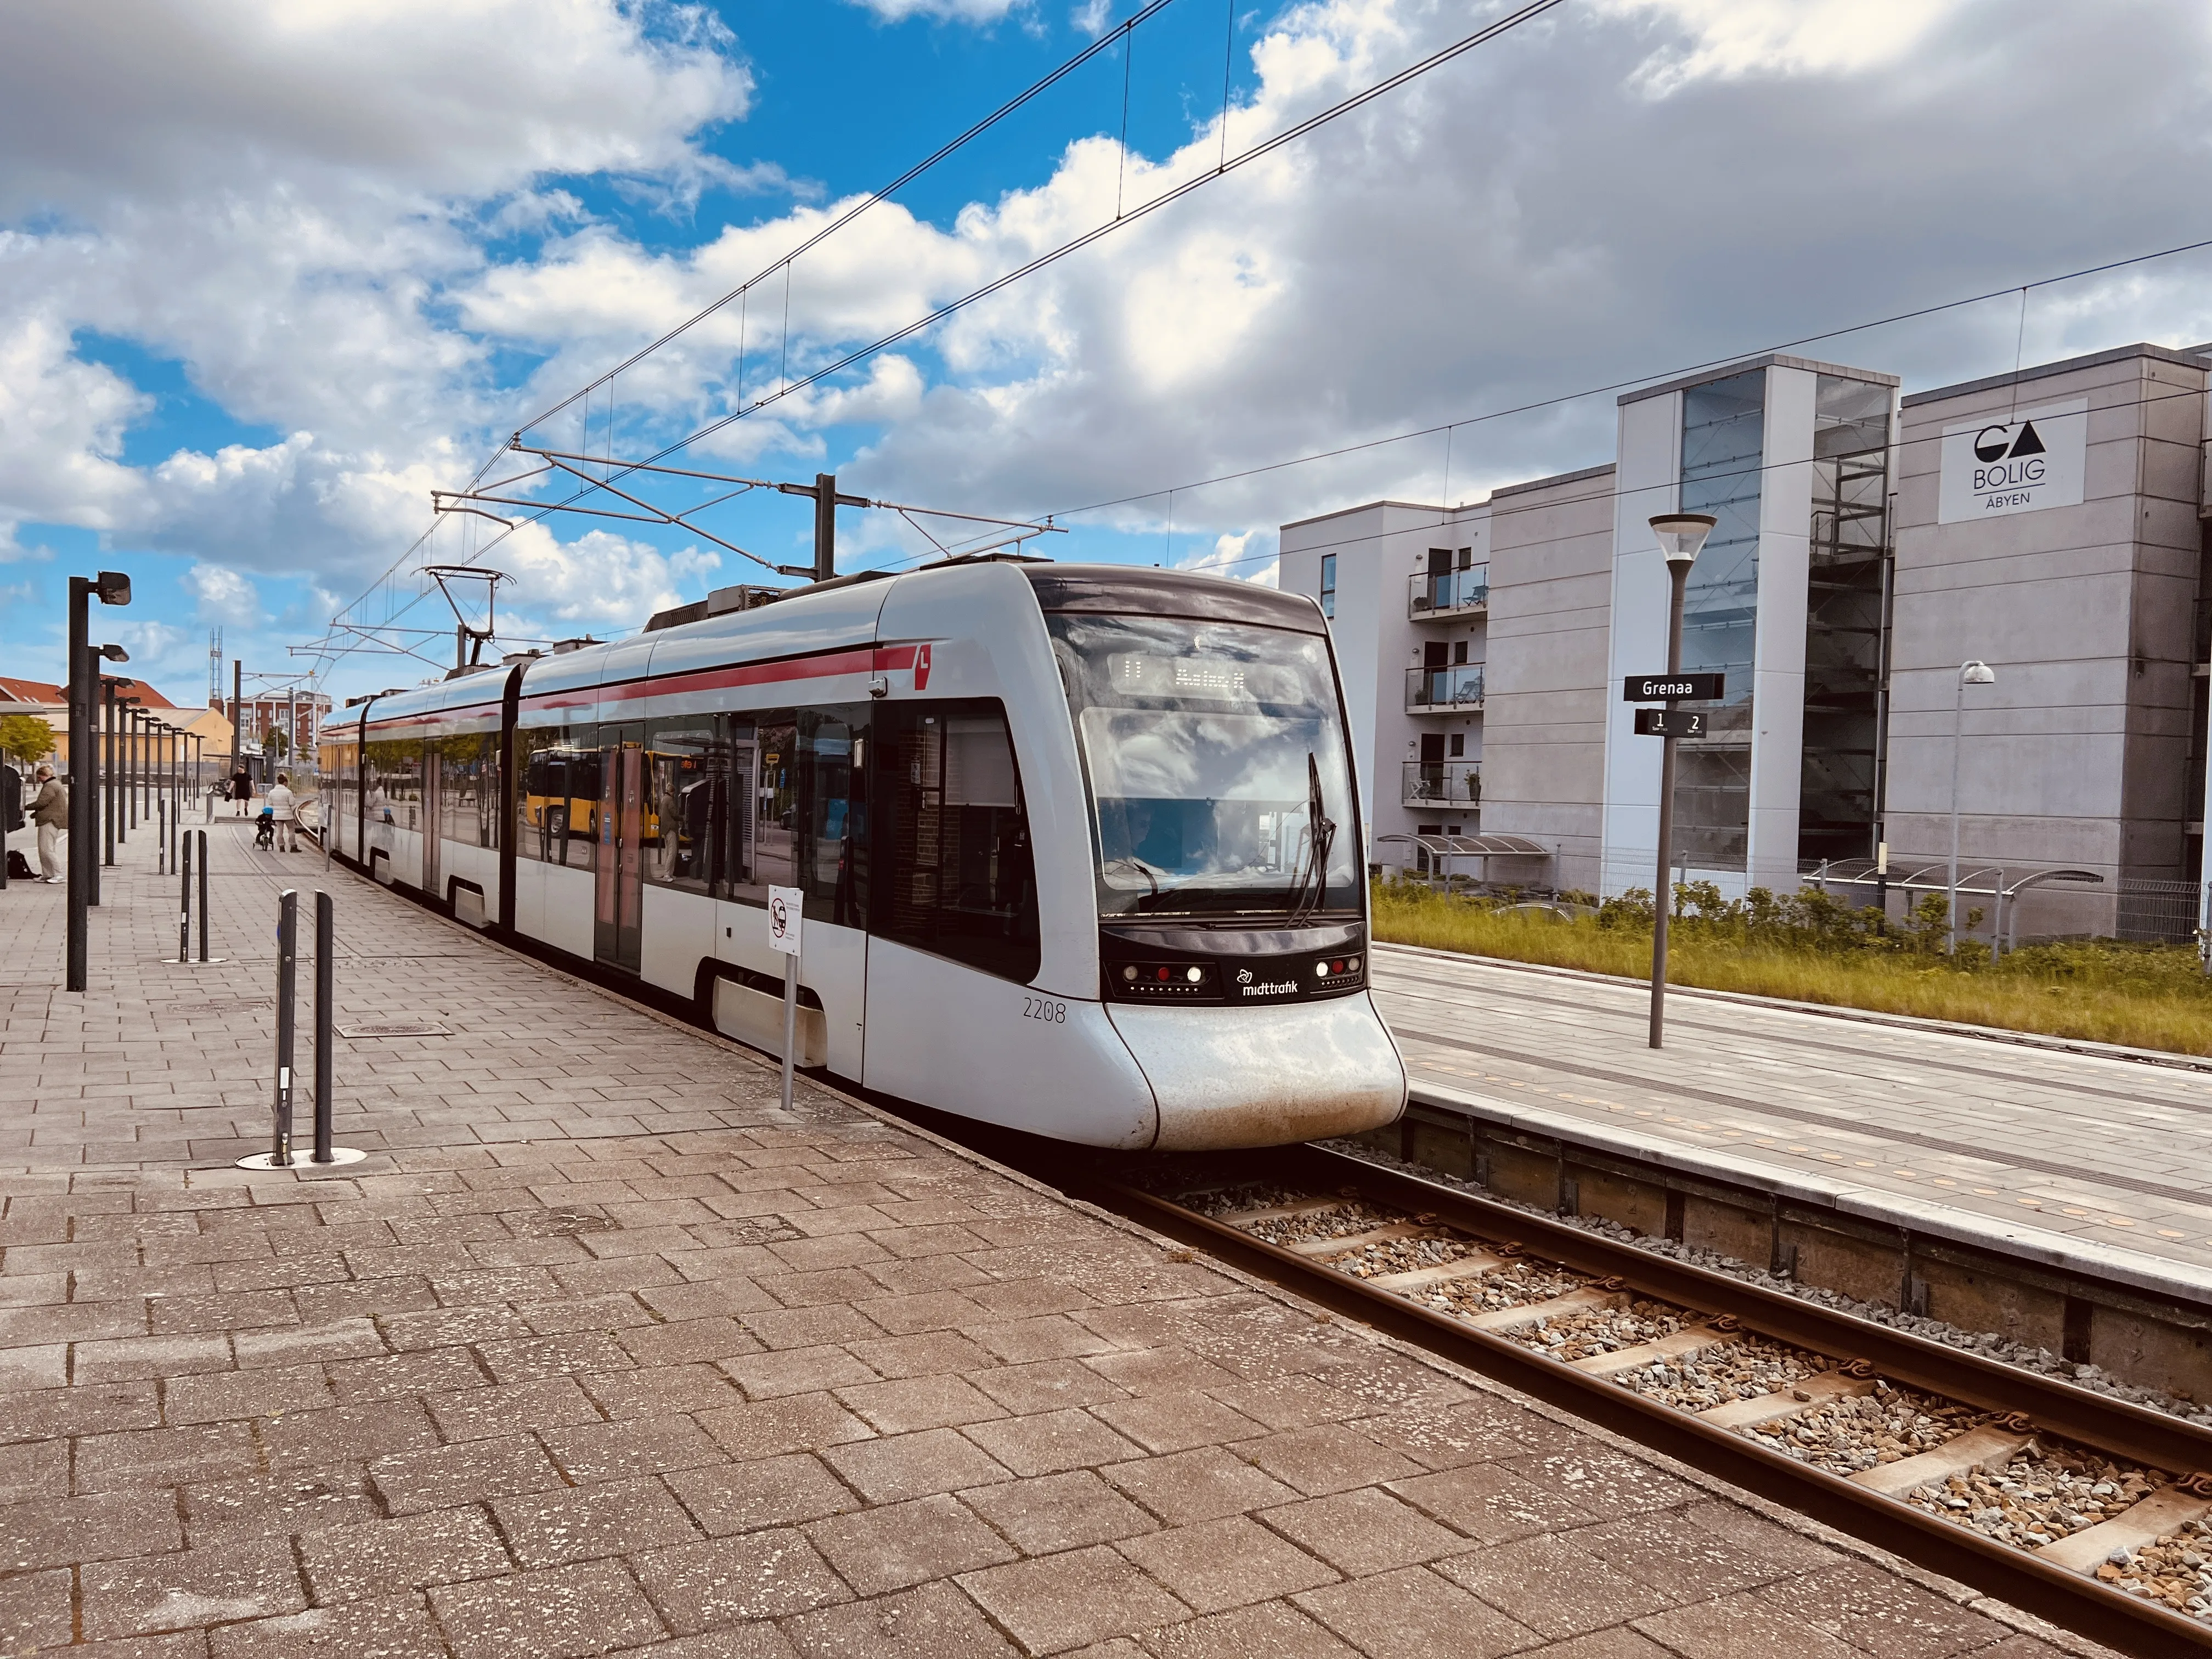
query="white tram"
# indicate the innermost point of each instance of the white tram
(1080, 844)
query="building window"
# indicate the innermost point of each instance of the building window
(1723, 451)
(1328, 585)
(1459, 650)
(1458, 745)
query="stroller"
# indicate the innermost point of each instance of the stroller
(265, 831)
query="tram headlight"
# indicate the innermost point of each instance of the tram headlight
(1194, 974)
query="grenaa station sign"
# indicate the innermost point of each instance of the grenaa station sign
(2019, 462)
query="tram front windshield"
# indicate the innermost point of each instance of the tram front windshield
(1213, 749)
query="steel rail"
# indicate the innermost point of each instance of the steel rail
(2075, 1600)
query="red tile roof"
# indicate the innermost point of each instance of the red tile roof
(39, 691)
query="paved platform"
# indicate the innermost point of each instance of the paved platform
(602, 1352)
(2098, 1161)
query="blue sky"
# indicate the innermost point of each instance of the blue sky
(268, 274)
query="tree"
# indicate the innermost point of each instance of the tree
(26, 738)
(273, 742)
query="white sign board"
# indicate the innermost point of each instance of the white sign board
(2021, 462)
(784, 904)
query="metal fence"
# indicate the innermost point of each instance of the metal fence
(2163, 912)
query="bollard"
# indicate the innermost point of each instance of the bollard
(287, 965)
(161, 840)
(185, 902)
(325, 950)
(203, 895)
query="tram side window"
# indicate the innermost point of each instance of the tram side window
(955, 876)
(395, 782)
(832, 850)
(557, 803)
(684, 784)
(468, 788)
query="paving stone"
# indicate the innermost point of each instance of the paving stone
(369, 1558)
(582, 1523)
(1160, 1370)
(165, 1457)
(767, 1492)
(636, 1445)
(190, 1589)
(1552, 1584)
(1740, 1627)
(552, 1614)
(897, 1545)
(445, 1477)
(760, 1575)
(1710, 1549)
(1046, 1336)
(220, 1396)
(1058, 1512)
(309, 1439)
(1331, 1457)
(35, 1611)
(1272, 1628)
(1364, 1531)
(474, 1414)
(388, 1628)
(764, 1428)
(772, 1375)
(1044, 1385)
(57, 1531)
(1050, 1441)
(1059, 1602)
(905, 1466)
(1875, 1612)
(1490, 1503)
(1216, 1565)
(1201, 1484)
(277, 1505)
(935, 1621)
(1412, 1613)
(930, 1353)
(1177, 1422)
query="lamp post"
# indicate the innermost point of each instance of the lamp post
(1681, 537)
(1973, 672)
(113, 587)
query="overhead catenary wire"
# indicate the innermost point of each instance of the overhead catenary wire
(1230, 163)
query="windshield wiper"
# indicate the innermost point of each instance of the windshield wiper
(1321, 836)
(1142, 869)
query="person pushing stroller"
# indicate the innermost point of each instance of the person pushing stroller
(278, 828)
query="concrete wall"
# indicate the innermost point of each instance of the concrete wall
(1550, 586)
(2078, 755)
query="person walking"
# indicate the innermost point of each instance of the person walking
(242, 791)
(50, 812)
(284, 807)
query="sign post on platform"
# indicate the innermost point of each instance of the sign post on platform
(1680, 536)
(785, 911)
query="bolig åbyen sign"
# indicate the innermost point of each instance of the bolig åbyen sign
(2013, 462)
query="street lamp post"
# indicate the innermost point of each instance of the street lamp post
(1973, 672)
(1681, 536)
(114, 588)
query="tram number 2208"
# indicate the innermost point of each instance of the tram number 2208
(1052, 1013)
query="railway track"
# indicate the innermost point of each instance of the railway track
(2090, 1511)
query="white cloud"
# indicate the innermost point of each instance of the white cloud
(1092, 17)
(600, 579)
(1738, 39)
(223, 595)
(960, 11)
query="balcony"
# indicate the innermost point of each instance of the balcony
(1448, 593)
(1441, 783)
(1441, 691)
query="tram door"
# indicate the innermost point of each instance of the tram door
(432, 817)
(619, 863)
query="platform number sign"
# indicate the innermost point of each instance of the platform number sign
(784, 911)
